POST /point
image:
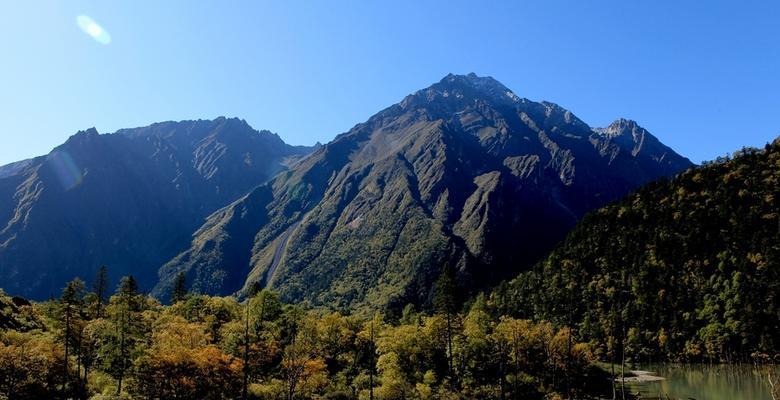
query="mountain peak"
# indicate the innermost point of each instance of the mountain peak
(82, 136)
(86, 132)
(487, 178)
(623, 124)
(457, 89)
(629, 135)
(471, 77)
(233, 121)
(141, 193)
(620, 127)
(482, 84)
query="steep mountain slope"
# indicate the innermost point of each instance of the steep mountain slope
(128, 200)
(462, 174)
(686, 269)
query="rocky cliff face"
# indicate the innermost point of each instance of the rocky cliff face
(463, 175)
(129, 200)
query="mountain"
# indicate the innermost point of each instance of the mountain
(463, 176)
(129, 200)
(686, 269)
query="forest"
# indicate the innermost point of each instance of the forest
(683, 270)
(87, 344)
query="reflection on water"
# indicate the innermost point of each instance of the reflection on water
(706, 382)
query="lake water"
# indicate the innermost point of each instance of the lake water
(706, 382)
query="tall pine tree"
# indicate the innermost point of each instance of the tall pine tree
(71, 308)
(100, 288)
(179, 292)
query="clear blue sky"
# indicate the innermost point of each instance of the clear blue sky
(703, 76)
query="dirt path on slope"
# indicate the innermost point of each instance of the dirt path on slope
(278, 253)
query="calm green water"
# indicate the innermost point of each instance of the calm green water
(705, 382)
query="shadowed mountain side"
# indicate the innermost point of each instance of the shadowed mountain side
(463, 174)
(687, 268)
(129, 200)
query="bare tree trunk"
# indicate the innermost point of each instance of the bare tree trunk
(612, 364)
(501, 369)
(516, 344)
(568, 366)
(623, 363)
(245, 391)
(79, 364)
(371, 370)
(67, 348)
(122, 351)
(67, 338)
(449, 345)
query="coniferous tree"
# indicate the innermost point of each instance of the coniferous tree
(100, 289)
(128, 304)
(196, 349)
(683, 270)
(71, 305)
(445, 302)
(245, 384)
(180, 291)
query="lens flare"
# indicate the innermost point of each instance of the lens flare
(91, 28)
(68, 173)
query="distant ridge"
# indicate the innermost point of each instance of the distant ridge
(129, 200)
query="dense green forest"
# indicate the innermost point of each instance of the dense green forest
(683, 270)
(686, 269)
(84, 345)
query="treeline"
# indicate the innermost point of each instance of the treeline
(683, 270)
(128, 345)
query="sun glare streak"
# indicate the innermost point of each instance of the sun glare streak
(66, 169)
(93, 29)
